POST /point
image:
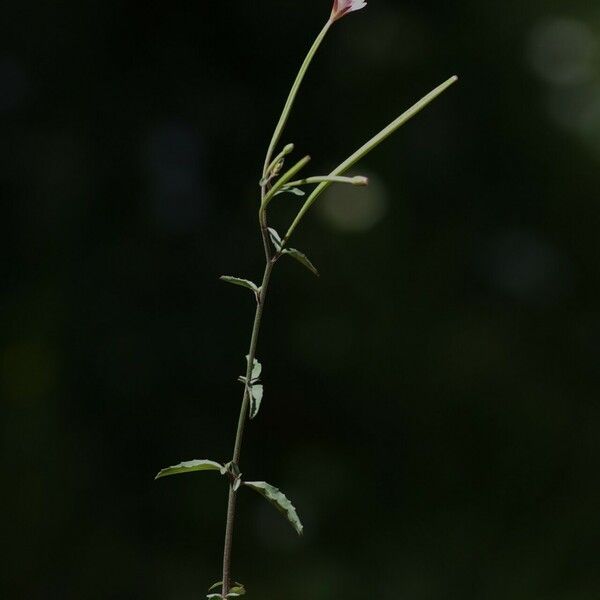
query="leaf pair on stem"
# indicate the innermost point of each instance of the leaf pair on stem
(275, 496)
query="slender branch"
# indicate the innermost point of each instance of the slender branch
(251, 356)
(357, 180)
(228, 541)
(237, 449)
(292, 95)
(366, 148)
(242, 420)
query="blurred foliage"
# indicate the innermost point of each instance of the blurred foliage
(431, 402)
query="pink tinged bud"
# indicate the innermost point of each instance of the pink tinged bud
(343, 7)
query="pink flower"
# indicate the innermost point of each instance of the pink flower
(343, 7)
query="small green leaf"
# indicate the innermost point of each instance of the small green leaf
(190, 466)
(275, 239)
(278, 499)
(237, 590)
(302, 259)
(256, 369)
(215, 585)
(256, 396)
(211, 596)
(291, 190)
(241, 282)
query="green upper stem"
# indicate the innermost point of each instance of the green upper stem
(287, 109)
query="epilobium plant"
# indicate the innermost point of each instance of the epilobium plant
(274, 181)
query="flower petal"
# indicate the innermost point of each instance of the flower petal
(343, 7)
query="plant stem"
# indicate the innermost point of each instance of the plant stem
(366, 148)
(260, 303)
(251, 356)
(292, 95)
(358, 180)
(270, 259)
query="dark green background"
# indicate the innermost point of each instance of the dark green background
(431, 401)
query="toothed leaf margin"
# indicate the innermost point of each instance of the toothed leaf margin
(278, 499)
(190, 466)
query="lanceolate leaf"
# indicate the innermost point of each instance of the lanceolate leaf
(275, 238)
(278, 499)
(302, 259)
(291, 190)
(256, 395)
(241, 282)
(189, 466)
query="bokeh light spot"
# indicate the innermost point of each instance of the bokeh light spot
(561, 51)
(354, 209)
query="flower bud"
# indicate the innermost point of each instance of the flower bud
(343, 7)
